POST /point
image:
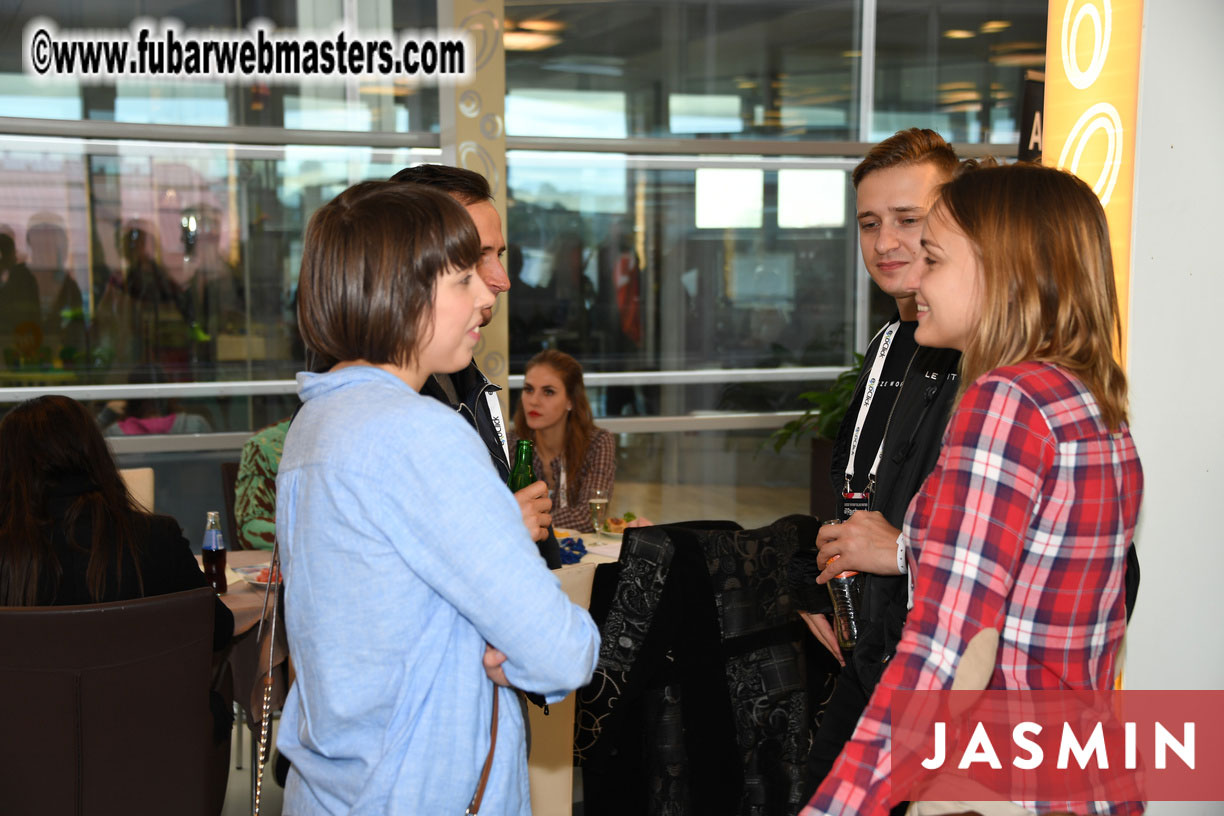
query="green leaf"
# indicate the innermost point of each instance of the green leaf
(825, 410)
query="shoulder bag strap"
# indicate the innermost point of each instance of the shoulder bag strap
(271, 595)
(474, 807)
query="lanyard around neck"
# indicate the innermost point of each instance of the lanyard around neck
(869, 392)
(498, 425)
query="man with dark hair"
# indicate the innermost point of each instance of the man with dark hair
(890, 437)
(469, 391)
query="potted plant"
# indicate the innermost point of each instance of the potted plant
(820, 421)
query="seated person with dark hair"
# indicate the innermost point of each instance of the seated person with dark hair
(71, 533)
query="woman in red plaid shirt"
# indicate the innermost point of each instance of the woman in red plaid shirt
(1017, 540)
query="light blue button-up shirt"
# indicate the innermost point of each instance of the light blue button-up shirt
(403, 555)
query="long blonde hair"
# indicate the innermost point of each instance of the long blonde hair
(1049, 294)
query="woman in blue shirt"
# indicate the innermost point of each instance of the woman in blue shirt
(410, 577)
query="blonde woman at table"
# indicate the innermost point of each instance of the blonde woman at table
(573, 456)
(411, 579)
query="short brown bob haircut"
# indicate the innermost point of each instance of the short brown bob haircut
(371, 258)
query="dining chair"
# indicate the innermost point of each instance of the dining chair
(139, 483)
(72, 678)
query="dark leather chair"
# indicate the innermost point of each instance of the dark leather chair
(229, 481)
(105, 707)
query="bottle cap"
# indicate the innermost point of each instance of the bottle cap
(846, 574)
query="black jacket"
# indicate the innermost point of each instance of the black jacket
(471, 386)
(166, 564)
(912, 440)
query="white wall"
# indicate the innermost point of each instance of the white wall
(1176, 638)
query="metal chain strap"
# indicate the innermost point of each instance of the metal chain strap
(263, 742)
(265, 714)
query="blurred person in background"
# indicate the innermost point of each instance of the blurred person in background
(255, 487)
(143, 316)
(212, 289)
(574, 457)
(60, 296)
(149, 415)
(19, 307)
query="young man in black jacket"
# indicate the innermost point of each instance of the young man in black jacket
(890, 437)
(468, 391)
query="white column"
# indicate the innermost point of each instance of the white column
(1177, 390)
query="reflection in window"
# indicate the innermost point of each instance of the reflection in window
(811, 198)
(730, 198)
(48, 100)
(579, 114)
(592, 182)
(185, 103)
(647, 286)
(368, 104)
(152, 262)
(697, 113)
(770, 69)
(954, 68)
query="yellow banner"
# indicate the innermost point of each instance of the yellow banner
(1091, 94)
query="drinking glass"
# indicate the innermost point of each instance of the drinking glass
(599, 509)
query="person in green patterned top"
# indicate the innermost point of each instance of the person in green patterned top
(255, 488)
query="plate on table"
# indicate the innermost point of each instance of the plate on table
(606, 544)
(256, 576)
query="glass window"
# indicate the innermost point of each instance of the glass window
(709, 475)
(638, 263)
(764, 70)
(365, 104)
(160, 262)
(956, 68)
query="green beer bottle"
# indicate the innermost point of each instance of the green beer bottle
(522, 473)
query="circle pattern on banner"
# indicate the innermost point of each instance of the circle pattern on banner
(491, 126)
(483, 27)
(469, 104)
(1100, 42)
(493, 364)
(1101, 116)
(473, 156)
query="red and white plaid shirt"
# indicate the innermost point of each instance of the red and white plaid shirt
(1022, 527)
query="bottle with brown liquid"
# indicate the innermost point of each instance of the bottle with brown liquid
(213, 552)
